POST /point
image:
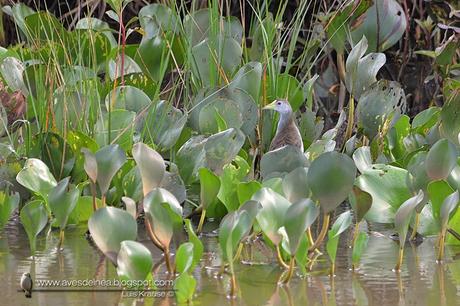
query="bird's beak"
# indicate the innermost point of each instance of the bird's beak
(270, 106)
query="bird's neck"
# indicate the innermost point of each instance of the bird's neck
(285, 120)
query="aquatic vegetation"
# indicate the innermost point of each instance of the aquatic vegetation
(157, 128)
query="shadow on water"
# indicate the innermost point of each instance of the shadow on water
(421, 281)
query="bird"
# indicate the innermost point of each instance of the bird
(287, 132)
(27, 284)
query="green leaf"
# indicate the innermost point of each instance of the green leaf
(330, 178)
(387, 186)
(361, 202)
(358, 247)
(438, 191)
(36, 177)
(379, 104)
(221, 148)
(109, 160)
(164, 124)
(164, 218)
(271, 217)
(279, 162)
(231, 177)
(362, 158)
(134, 261)
(448, 206)
(245, 190)
(361, 71)
(184, 258)
(197, 244)
(127, 98)
(339, 226)
(342, 222)
(121, 128)
(8, 203)
(249, 79)
(441, 159)
(34, 219)
(109, 226)
(83, 210)
(62, 201)
(295, 186)
(151, 166)
(185, 286)
(209, 187)
(299, 216)
(403, 216)
(383, 24)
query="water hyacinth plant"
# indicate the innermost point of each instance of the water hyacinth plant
(143, 125)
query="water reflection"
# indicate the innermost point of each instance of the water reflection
(421, 281)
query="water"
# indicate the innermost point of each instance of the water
(421, 282)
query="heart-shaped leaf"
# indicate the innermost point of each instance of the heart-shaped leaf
(246, 190)
(62, 201)
(36, 177)
(271, 217)
(134, 261)
(151, 166)
(209, 187)
(441, 159)
(121, 128)
(34, 219)
(128, 98)
(281, 161)
(184, 258)
(164, 124)
(361, 201)
(232, 175)
(184, 287)
(362, 71)
(383, 101)
(164, 213)
(299, 216)
(342, 222)
(387, 186)
(383, 24)
(448, 206)
(403, 216)
(109, 226)
(330, 178)
(109, 160)
(197, 244)
(295, 186)
(363, 159)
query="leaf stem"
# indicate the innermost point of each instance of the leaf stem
(400, 259)
(290, 271)
(61, 238)
(280, 258)
(233, 287)
(351, 118)
(322, 234)
(416, 224)
(442, 239)
(167, 255)
(152, 236)
(200, 224)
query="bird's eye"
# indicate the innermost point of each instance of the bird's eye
(279, 103)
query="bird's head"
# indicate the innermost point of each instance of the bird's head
(26, 274)
(281, 106)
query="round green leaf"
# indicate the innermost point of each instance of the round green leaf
(330, 178)
(441, 159)
(109, 226)
(151, 166)
(134, 261)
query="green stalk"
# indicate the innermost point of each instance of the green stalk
(442, 239)
(322, 234)
(400, 258)
(290, 271)
(416, 224)
(351, 118)
(280, 258)
(61, 238)
(167, 255)
(200, 224)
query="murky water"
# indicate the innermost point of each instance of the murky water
(421, 281)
